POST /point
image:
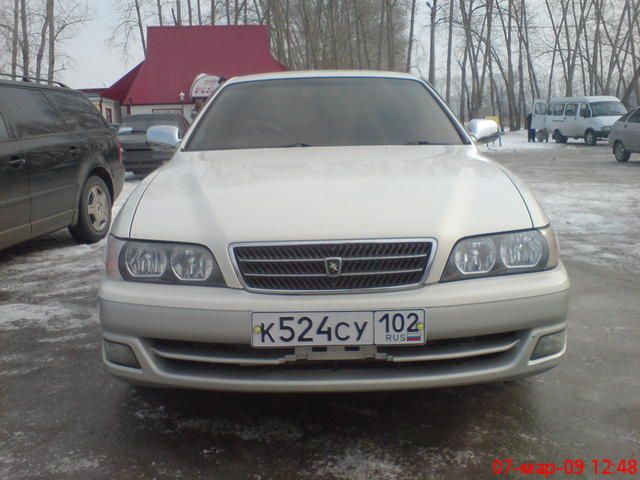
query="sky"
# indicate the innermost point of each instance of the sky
(92, 61)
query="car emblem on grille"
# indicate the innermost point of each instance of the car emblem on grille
(333, 266)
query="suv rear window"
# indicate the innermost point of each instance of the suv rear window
(332, 111)
(140, 124)
(31, 112)
(77, 112)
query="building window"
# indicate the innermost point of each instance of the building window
(109, 115)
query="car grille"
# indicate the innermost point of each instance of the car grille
(309, 267)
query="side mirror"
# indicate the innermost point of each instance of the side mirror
(163, 138)
(483, 130)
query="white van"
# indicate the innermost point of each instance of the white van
(589, 118)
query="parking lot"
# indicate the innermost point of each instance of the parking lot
(62, 416)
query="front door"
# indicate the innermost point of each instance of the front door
(14, 190)
(571, 127)
(539, 114)
(557, 118)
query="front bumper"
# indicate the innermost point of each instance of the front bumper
(480, 330)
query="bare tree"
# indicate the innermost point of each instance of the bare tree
(25, 37)
(411, 25)
(433, 9)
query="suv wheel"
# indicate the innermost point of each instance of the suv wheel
(590, 137)
(620, 152)
(94, 212)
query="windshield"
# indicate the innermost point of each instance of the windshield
(140, 124)
(608, 109)
(324, 112)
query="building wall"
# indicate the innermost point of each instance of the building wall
(177, 108)
(110, 109)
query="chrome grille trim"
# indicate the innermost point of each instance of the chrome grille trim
(441, 350)
(285, 257)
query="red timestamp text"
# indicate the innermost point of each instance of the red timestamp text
(568, 467)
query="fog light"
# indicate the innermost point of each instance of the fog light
(549, 345)
(120, 354)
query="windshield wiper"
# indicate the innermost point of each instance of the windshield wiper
(293, 145)
(419, 142)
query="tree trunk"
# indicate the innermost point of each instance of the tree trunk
(143, 42)
(463, 82)
(25, 38)
(178, 12)
(43, 41)
(14, 37)
(390, 40)
(432, 44)
(449, 48)
(381, 34)
(190, 12)
(52, 40)
(411, 24)
(159, 8)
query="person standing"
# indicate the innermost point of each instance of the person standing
(531, 132)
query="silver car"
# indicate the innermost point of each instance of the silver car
(624, 138)
(330, 231)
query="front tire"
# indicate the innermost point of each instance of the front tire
(94, 212)
(621, 153)
(590, 138)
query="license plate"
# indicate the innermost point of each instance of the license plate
(320, 329)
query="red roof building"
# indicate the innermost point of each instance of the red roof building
(177, 54)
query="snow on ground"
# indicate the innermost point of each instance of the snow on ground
(49, 282)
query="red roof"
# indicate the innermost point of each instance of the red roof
(176, 55)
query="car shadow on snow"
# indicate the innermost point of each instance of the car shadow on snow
(55, 240)
(424, 418)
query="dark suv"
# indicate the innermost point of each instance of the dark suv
(138, 156)
(60, 163)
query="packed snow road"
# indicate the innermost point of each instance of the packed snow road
(62, 416)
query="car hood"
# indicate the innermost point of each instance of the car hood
(328, 193)
(607, 121)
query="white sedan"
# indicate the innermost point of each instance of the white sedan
(330, 231)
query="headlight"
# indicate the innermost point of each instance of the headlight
(161, 262)
(144, 260)
(502, 254)
(191, 263)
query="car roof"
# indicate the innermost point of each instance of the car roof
(31, 84)
(152, 115)
(586, 99)
(321, 74)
